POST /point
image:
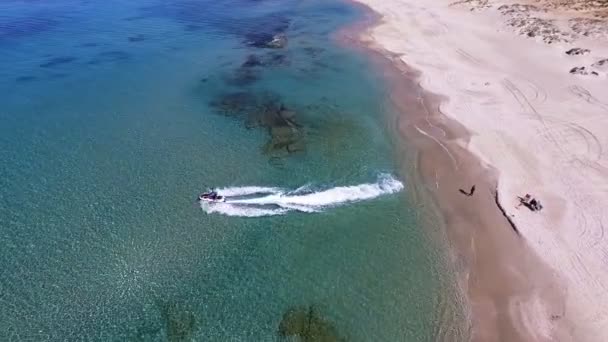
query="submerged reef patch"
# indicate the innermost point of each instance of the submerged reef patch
(90, 44)
(234, 103)
(55, 61)
(277, 59)
(194, 15)
(267, 111)
(59, 75)
(312, 51)
(307, 324)
(291, 129)
(136, 38)
(25, 27)
(268, 60)
(23, 79)
(242, 77)
(250, 71)
(252, 61)
(265, 40)
(110, 56)
(172, 321)
(180, 322)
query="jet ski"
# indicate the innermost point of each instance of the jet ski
(211, 196)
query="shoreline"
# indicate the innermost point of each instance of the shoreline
(505, 284)
(431, 159)
(515, 291)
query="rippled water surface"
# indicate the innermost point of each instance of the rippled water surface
(116, 114)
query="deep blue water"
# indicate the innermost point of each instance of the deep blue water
(116, 114)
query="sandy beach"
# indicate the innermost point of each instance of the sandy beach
(520, 107)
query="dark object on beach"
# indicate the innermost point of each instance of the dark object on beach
(577, 51)
(582, 71)
(578, 70)
(529, 202)
(504, 212)
(470, 193)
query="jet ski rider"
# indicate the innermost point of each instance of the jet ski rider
(212, 195)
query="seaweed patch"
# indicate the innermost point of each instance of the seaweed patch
(266, 111)
(24, 79)
(172, 321)
(252, 61)
(307, 324)
(110, 56)
(180, 322)
(242, 77)
(25, 27)
(55, 61)
(137, 38)
(272, 59)
(91, 44)
(313, 52)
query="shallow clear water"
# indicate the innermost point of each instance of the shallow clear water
(116, 114)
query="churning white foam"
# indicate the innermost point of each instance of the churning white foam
(244, 211)
(246, 190)
(253, 201)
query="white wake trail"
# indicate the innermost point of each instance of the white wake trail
(247, 190)
(243, 211)
(270, 201)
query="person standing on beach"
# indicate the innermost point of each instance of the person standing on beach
(470, 193)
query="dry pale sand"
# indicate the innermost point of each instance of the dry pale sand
(537, 128)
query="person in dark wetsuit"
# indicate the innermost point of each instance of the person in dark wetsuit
(470, 193)
(208, 195)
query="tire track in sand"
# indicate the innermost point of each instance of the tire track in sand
(578, 141)
(527, 106)
(585, 95)
(567, 137)
(470, 58)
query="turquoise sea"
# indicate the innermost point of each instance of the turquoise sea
(115, 115)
